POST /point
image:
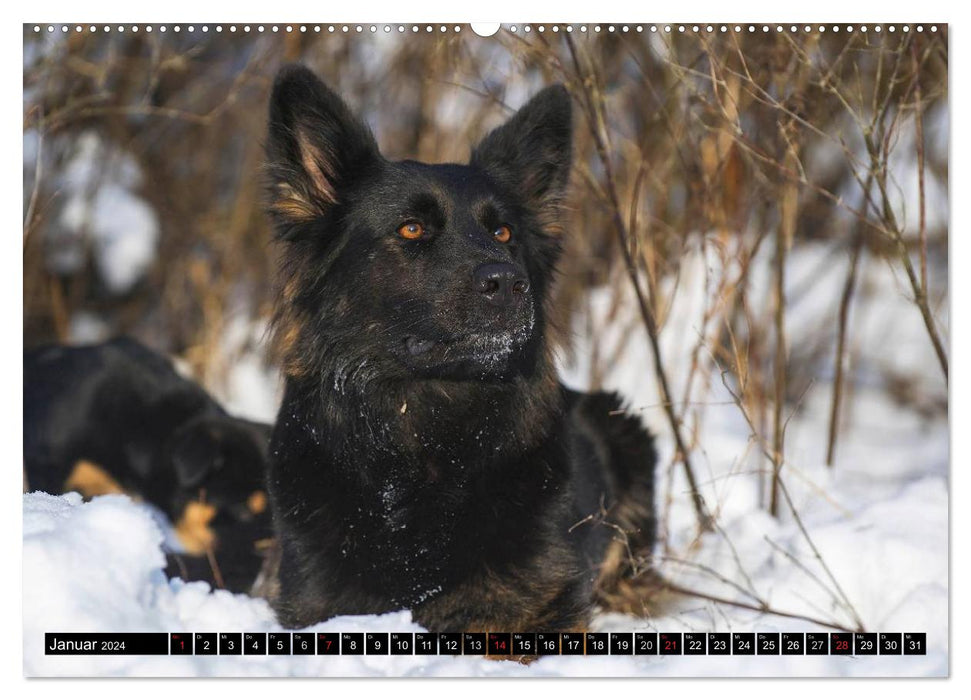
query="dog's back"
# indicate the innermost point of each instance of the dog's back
(114, 405)
(614, 458)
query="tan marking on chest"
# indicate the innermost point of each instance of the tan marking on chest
(90, 480)
(193, 528)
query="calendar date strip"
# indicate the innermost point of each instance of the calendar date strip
(501, 644)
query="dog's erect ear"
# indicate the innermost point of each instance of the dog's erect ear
(531, 153)
(315, 146)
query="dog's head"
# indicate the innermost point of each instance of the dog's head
(407, 270)
(222, 461)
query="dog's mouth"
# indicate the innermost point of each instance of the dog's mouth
(485, 344)
(473, 353)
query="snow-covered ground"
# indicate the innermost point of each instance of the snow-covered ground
(879, 520)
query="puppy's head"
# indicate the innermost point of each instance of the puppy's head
(220, 461)
(406, 270)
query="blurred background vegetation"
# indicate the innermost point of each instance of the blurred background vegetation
(144, 213)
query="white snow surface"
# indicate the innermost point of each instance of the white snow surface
(879, 520)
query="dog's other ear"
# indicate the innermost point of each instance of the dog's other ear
(315, 146)
(196, 452)
(531, 153)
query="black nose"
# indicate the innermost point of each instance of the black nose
(501, 284)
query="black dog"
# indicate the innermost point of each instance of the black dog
(425, 455)
(117, 417)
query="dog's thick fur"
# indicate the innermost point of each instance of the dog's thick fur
(117, 418)
(425, 455)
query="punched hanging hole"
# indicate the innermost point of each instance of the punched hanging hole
(485, 28)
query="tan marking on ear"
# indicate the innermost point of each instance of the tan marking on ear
(193, 527)
(318, 168)
(256, 502)
(289, 204)
(90, 480)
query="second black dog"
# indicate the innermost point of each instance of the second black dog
(118, 418)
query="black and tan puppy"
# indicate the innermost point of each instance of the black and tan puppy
(426, 455)
(118, 418)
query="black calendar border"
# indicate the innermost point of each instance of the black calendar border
(489, 644)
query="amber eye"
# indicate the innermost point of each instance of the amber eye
(411, 230)
(503, 234)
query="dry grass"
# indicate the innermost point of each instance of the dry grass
(743, 145)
